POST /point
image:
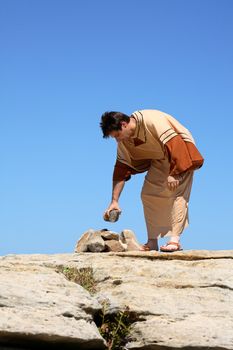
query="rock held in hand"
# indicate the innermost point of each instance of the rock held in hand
(113, 215)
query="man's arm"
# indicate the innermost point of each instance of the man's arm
(117, 188)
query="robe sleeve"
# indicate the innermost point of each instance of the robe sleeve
(183, 155)
(122, 172)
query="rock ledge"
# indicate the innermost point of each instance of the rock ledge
(182, 300)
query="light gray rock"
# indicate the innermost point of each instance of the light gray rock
(95, 242)
(39, 304)
(81, 245)
(128, 237)
(182, 300)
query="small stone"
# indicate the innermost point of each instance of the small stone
(117, 282)
(109, 235)
(81, 245)
(96, 243)
(114, 246)
(128, 237)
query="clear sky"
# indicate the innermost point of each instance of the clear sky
(65, 62)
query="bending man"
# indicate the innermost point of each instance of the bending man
(153, 141)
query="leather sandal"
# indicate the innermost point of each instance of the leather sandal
(164, 248)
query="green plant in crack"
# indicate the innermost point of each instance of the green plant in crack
(83, 276)
(115, 328)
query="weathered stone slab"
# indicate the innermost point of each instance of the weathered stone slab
(39, 304)
(182, 300)
(181, 303)
(187, 331)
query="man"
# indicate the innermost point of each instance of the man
(153, 141)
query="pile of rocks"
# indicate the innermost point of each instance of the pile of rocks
(107, 241)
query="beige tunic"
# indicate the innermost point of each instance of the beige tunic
(166, 212)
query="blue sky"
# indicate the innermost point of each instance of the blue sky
(62, 64)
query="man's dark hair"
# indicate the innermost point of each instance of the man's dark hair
(111, 121)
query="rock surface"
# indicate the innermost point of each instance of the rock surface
(182, 300)
(39, 304)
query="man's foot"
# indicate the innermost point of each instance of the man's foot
(171, 247)
(145, 248)
(152, 244)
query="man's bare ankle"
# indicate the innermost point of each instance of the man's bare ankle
(175, 239)
(153, 244)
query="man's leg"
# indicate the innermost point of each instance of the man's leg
(179, 214)
(154, 196)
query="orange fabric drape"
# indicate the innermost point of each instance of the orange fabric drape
(183, 156)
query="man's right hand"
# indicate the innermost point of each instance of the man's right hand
(113, 205)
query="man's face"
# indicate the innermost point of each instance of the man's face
(123, 134)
